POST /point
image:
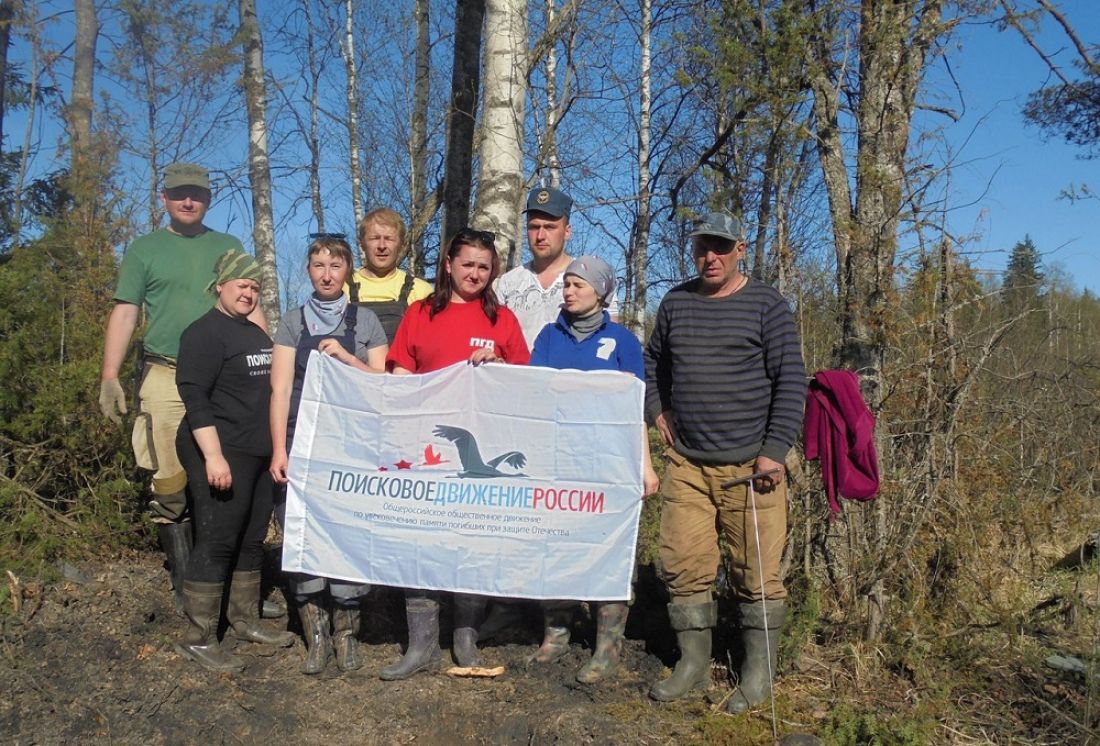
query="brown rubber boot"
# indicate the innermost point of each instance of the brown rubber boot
(243, 612)
(202, 604)
(610, 629)
(315, 625)
(345, 635)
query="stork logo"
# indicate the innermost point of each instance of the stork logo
(469, 455)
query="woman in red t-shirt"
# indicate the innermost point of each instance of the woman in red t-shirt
(460, 321)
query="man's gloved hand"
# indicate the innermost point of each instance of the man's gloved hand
(112, 399)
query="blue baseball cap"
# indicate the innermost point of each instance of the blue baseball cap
(549, 200)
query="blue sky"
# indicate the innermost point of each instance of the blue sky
(1024, 173)
(1005, 184)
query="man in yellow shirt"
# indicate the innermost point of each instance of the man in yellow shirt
(379, 284)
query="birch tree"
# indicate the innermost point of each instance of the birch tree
(347, 48)
(259, 169)
(638, 254)
(500, 156)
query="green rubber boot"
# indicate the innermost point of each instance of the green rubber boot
(693, 625)
(761, 624)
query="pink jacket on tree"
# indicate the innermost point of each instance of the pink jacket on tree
(839, 430)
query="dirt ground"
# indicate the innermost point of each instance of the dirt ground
(90, 659)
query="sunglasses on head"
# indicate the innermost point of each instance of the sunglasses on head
(469, 234)
(328, 236)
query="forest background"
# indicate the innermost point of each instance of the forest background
(820, 123)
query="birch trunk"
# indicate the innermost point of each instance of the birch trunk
(347, 48)
(639, 252)
(552, 101)
(500, 157)
(259, 168)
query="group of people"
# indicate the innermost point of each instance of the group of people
(219, 397)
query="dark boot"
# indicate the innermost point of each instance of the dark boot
(243, 612)
(504, 613)
(175, 540)
(693, 624)
(203, 604)
(345, 635)
(315, 626)
(469, 610)
(760, 640)
(610, 628)
(423, 651)
(557, 616)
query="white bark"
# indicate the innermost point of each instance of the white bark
(640, 252)
(500, 175)
(552, 103)
(348, 51)
(259, 167)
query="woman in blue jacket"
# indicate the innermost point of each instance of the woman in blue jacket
(585, 338)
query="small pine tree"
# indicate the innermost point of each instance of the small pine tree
(1023, 282)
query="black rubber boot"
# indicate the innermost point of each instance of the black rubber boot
(693, 625)
(345, 635)
(423, 652)
(243, 612)
(176, 541)
(315, 626)
(610, 629)
(760, 640)
(557, 617)
(202, 604)
(469, 610)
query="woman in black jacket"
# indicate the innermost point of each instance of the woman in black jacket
(223, 376)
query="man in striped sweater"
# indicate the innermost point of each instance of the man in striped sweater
(725, 387)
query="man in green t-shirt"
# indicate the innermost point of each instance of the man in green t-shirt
(166, 273)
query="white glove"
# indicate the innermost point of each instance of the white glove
(112, 399)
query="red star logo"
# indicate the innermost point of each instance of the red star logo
(403, 464)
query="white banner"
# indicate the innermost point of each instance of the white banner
(498, 479)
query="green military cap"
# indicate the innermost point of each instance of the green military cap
(186, 174)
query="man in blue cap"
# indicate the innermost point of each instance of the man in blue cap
(725, 386)
(532, 291)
